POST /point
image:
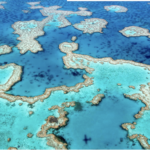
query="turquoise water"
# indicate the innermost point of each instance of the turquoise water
(28, 26)
(130, 32)
(15, 120)
(107, 76)
(80, 26)
(111, 112)
(1, 50)
(5, 74)
(67, 45)
(114, 8)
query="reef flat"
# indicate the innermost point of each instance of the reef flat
(79, 91)
(29, 30)
(133, 31)
(116, 8)
(91, 25)
(73, 38)
(97, 99)
(138, 130)
(14, 77)
(5, 49)
(55, 123)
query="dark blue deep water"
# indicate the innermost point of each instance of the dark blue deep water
(45, 69)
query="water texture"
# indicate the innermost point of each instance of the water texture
(101, 124)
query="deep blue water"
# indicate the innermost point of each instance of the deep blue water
(45, 69)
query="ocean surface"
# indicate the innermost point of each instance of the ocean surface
(45, 69)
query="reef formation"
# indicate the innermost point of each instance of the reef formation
(133, 31)
(138, 130)
(33, 5)
(29, 30)
(97, 69)
(116, 8)
(55, 123)
(91, 25)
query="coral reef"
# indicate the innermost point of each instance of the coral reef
(96, 99)
(33, 5)
(71, 60)
(46, 11)
(130, 86)
(73, 38)
(15, 77)
(29, 135)
(91, 66)
(12, 148)
(88, 81)
(29, 30)
(55, 123)
(4, 49)
(141, 138)
(144, 96)
(133, 31)
(91, 25)
(119, 84)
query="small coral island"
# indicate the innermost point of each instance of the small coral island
(91, 25)
(116, 8)
(135, 31)
(28, 31)
(4, 49)
(98, 79)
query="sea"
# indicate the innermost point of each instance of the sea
(101, 124)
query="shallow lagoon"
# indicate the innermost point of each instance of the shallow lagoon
(5, 74)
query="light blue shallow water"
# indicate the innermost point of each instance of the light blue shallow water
(141, 126)
(110, 113)
(102, 124)
(130, 32)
